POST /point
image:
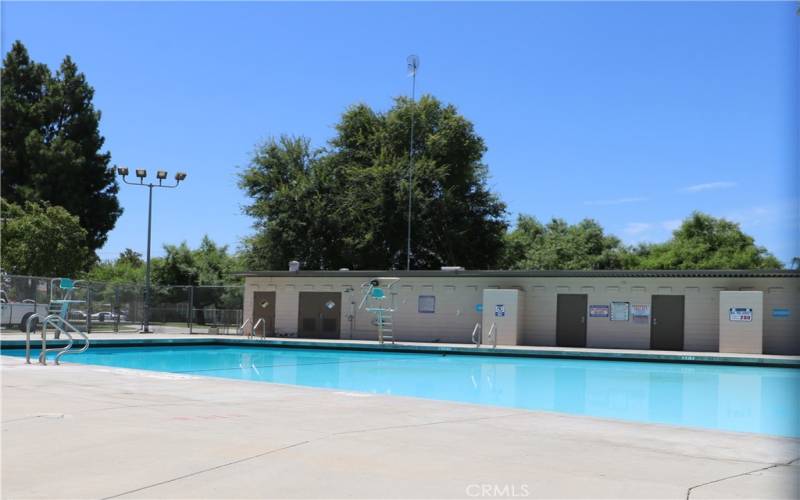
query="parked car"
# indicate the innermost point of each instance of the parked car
(17, 313)
(77, 315)
(109, 316)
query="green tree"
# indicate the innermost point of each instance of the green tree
(346, 206)
(706, 242)
(51, 143)
(131, 257)
(559, 245)
(210, 266)
(118, 271)
(42, 240)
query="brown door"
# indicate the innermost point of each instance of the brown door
(264, 308)
(320, 313)
(571, 320)
(666, 323)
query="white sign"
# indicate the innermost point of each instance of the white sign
(740, 314)
(619, 311)
(640, 313)
(499, 310)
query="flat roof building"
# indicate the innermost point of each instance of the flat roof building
(703, 310)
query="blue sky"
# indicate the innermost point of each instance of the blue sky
(634, 114)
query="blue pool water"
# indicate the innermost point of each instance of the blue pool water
(733, 398)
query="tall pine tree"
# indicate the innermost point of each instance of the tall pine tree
(51, 143)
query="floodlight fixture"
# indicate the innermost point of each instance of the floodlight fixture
(161, 175)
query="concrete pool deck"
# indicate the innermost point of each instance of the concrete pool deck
(79, 431)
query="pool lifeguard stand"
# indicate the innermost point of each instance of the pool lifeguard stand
(62, 291)
(381, 305)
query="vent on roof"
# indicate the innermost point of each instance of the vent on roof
(294, 266)
(452, 268)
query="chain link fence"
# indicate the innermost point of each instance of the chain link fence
(101, 307)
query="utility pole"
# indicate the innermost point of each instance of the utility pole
(413, 65)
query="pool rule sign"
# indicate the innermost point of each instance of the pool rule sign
(740, 314)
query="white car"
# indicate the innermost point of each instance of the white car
(17, 313)
(108, 316)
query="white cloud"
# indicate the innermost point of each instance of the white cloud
(616, 201)
(708, 186)
(672, 224)
(635, 228)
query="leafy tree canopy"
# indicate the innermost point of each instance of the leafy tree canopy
(346, 206)
(559, 245)
(51, 143)
(706, 242)
(209, 264)
(42, 240)
(702, 242)
(127, 268)
(131, 257)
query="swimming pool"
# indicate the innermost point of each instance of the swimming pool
(733, 398)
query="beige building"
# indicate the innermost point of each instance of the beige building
(664, 310)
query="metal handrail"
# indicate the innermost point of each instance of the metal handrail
(263, 328)
(241, 328)
(48, 321)
(476, 336)
(60, 324)
(493, 335)
(28, 337)
(67, 350)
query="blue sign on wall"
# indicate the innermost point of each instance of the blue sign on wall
(781, 312)
(479, 307)
(499, 310)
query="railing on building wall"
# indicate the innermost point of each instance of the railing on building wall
(119, 307)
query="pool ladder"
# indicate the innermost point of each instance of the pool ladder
(385, 325)
(61, 326)
(252, 332)
(491, 337)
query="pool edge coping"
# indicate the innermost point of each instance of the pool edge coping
(764, 360)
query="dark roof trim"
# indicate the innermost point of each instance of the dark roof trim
(722, 273)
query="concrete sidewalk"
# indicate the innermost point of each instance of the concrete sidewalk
(76, 431)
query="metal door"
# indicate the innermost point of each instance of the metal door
(319, 315)
(571, 320)
(666, 323)
(264, 308)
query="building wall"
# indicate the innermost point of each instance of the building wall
(457, 296)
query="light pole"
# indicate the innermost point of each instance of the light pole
(160, 175)
(413, 64)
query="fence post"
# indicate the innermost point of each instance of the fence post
(88, 308)
(191, 308)
(116, 308)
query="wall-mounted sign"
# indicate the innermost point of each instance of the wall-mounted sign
(479, 307)
(740, 314)
(640, 313)
(780, 312)
(598, 311)
(426, 304)
(499, 310)
(620, 311)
